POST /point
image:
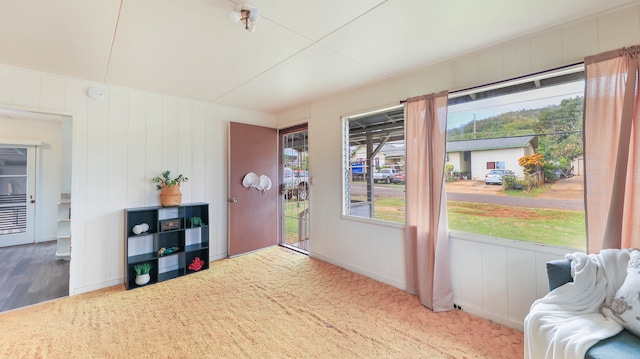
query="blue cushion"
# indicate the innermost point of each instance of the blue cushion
(558, 273)
(624, 345)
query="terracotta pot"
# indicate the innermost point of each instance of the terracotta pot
(170, 196)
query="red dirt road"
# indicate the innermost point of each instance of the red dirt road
(564, 189)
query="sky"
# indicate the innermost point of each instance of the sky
(464, 113)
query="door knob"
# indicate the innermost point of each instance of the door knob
(233, 200)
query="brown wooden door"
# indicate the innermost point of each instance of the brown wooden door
(253, 214)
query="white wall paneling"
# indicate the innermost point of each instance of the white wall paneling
(6, 85)
(521, 273)
(154, 142)
(52, 92)
(117, 165)
(26, 88)
(497, 278)
(546, 50)
(76, 99)
(136, 154)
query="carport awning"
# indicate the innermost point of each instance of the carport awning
(378, 128)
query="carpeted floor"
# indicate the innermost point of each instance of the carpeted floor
(269, 304)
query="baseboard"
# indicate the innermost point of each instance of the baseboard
(216, 257)
(94, 287)
(364, 272)
(478, 312)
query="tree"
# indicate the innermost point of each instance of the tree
(562, 126)
(531, 163)
(448, 172)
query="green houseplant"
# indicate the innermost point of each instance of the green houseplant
(165, 180)
(170, 194)
(196, 222)
(142, 273)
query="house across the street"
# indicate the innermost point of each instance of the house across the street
(474, 158)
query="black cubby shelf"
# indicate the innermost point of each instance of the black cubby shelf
(169, 227)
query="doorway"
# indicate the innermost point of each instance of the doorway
(253, 200)
(33, 271)
(295, 185)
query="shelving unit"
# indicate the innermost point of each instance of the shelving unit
(169, 227)
(63, 246)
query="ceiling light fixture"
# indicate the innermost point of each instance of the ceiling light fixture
(247, 14)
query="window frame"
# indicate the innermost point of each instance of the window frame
(522, 83)
(553, 77)
(347, 162)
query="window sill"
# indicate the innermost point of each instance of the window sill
(511, 243)
(372, 221)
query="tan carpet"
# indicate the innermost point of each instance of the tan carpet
(270, 304)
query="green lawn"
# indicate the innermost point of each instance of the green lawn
(291, 213)
(546, 226)
(387, 208)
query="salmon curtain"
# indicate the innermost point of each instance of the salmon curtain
(427, 240)
(612, 150)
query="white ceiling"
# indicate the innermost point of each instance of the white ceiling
(301, 50)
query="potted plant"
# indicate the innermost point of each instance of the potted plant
(170, 194)
(196, 222)
(142, 273)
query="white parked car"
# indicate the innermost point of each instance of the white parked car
(385, 175)
(495, 176)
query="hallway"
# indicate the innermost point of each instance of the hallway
(29, 274)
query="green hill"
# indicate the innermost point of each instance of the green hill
(508, 124)
(558, 127)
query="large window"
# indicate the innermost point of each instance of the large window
(523, 177)
(514, 161)
(374, 158)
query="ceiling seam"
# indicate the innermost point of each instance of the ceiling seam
(113, 41)
(313, 42)
(351, 21)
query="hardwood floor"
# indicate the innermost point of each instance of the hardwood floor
(30, 274)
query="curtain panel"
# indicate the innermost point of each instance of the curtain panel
(612, 150)
(427, 240)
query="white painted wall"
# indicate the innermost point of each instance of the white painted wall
(498, 278)
(509, 156)
(118, 144)
(455, 159)
(487, 273)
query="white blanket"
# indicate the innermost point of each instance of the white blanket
(566, 322)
